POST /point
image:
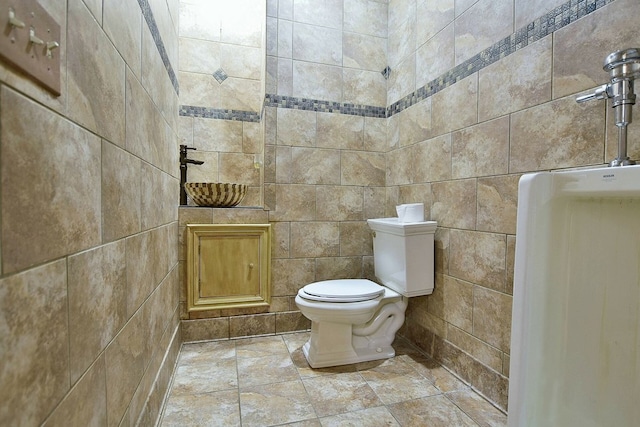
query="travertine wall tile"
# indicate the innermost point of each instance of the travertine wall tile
(315, 166)
(519, 81)
(34, 343)
(290, 275)
(365, 17)
(481, 150)
(364, 52)
(557, 134)
(339, 203)
(318, 44)
(402, 80)
(415, 123)
(593, 38)
(511, 255)
(241, 61)
(364, 87)
(498, 204)
(362, 168)
(296, 127)
(488, 355)
(120, 193)
(317, 81)
(205, 329)
(125, 367)
(402, 41)
(338, 268)
(198, 89)
(123, 24)
(96, 75)
(474, 35)
(315, 239)
(241, 94)
(280, 240)
(478, 258)
(432, 16)
(454, 203)
(329, 13)
(355, 239)
(97, 289)
(374, 202)
(256, 324)
(199, 56)
(238, 168)
(375, 134)
(492, 317)
(86, 403)
(417, 193)
(455, 107)
(435, 56)
(158, 195)
(452, 300)
(294, 203)
(64, 215)
(340, 131)
(291, 321)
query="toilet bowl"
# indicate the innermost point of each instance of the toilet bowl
(355, 320)
(352, 320)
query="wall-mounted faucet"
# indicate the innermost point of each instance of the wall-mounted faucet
(623, 67)
(183, 171)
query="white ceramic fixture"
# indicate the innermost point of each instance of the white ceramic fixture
(575, 336)
(355, 320)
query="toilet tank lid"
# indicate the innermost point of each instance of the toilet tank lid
(344, 288)
(393, 226)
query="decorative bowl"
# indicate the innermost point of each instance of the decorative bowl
(215, 194)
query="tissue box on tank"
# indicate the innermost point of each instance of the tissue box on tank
(403, 255)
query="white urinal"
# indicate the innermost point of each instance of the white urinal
(575, 340)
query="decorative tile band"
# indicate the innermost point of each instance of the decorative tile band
(559, 17)
(279, 101)
(546, 24)
(214, 113)
(155, 33)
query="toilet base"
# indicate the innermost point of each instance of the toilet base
(341, 344)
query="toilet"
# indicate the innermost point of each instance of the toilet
(356, 320)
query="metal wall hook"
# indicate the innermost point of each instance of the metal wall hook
(33, 38)
(13, 20)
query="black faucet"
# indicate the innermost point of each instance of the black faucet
(183, 171)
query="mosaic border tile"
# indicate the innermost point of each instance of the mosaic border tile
(155, 33)
(546, 24)
(271, 100)
(215, 113)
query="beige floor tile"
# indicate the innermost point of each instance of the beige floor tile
(265, 370)
(372, 417)
(273, 404)
(203, 410)
(444, 380)
(396, 381)
(435, 411)
(205, 377)
(336, 394)
(482, 412)
(261, 346)
(266, 381)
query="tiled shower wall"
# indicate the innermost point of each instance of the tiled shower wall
(89, 281)
(222, 85)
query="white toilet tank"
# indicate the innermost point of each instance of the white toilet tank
(403, 255)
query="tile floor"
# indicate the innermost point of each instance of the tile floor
(266, 381)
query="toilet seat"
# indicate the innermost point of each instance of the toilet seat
(345, 290)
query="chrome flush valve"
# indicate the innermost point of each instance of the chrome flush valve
(623, 67)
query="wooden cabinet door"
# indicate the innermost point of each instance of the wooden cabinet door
(228, 266)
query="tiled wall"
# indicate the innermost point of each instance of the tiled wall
(511, 71)
(479, 93)
(324, 171)
(222, 77)
(89, 188)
